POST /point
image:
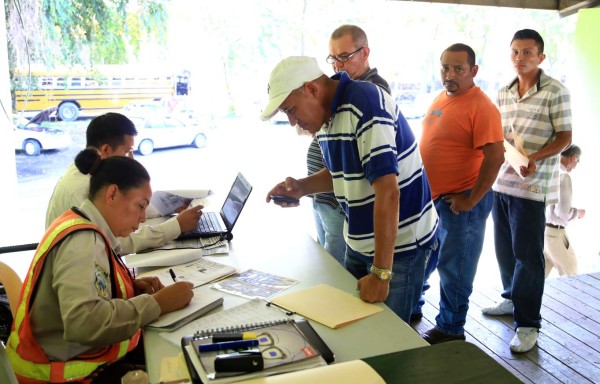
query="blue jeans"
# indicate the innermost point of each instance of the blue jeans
(519, 241)
(330, 229)
(430, 266)
(406, 284)
(461, 242)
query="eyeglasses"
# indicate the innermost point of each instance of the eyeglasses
(342, 58)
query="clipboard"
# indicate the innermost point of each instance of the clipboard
(302, 325)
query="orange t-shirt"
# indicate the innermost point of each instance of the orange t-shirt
(454, 130)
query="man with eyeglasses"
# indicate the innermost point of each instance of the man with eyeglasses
(558, 250)
(348, 52)
(373, 166)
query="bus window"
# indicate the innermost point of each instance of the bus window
(99, 91)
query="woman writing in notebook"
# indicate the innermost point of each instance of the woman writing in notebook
(81, 311)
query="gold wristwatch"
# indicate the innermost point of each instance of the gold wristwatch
(382, 274)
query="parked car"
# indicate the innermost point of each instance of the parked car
(163, 131)
(32, 137)
(179, 107)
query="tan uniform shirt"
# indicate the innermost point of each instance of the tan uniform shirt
(72, 311)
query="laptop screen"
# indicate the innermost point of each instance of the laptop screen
(235, 201)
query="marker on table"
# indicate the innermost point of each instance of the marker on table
(228, 345)
(221, 337)
(172, 273)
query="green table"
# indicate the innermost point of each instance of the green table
(451, 362)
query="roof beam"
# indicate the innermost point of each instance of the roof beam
(564, 7)
(567, 7)
(532, 4)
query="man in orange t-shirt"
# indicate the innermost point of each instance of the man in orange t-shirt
(462, 150)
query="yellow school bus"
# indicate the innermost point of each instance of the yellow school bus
(78, 91)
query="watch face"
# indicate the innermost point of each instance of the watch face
(383, 274)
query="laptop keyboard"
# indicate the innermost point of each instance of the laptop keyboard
(209, 223)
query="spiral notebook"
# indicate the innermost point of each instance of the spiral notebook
(253, 315)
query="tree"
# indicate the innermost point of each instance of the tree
(87, 32)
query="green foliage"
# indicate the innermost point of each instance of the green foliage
(83, 31)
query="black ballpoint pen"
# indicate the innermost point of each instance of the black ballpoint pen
(172, 273)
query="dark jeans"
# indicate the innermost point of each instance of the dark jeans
(519, 241)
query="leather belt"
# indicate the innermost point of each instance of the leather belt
(555, 226)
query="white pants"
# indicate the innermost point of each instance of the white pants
(558, 252)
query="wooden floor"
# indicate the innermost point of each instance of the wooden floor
(568, 348)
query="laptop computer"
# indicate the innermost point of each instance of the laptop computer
(221, 223)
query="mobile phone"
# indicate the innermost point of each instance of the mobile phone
(284, 199)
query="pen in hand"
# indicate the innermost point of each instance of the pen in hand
(172, 273)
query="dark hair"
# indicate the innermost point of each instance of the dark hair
(459, 47)
(359, 37)
(572, 150)
(123, 171)
(110, 129)
(526, 34)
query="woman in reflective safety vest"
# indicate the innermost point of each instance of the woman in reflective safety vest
(78, 309)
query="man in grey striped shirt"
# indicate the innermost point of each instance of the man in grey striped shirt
(536, 119)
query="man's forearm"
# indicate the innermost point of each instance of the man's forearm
(317, 182)
(385, 219)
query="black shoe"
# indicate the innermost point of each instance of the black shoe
(414, 317)
(433, 336)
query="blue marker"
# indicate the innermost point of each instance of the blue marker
(239, 344)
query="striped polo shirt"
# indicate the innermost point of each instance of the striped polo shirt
(367, 137)
(537, 116)
(314, 158)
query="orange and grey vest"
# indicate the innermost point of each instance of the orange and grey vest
(26, 355)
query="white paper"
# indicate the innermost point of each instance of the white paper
(515, 158)
(196, 305)
(162, 258)
(199, 272)
(163, 203)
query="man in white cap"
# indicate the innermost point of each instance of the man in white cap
(374, 168)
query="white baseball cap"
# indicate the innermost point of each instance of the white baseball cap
(288, 75)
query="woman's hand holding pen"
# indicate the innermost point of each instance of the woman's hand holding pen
(174, 297)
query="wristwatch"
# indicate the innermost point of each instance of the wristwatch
(382, 274)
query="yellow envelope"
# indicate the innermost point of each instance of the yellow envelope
(327, 305)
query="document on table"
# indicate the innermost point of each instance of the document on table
(327, 305)
(253, 284)
(515, 158)
(199, 272)
(178, 252)
(198, 306)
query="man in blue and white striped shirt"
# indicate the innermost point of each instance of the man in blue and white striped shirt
(373, 166)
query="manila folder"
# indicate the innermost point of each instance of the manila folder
(327, 305)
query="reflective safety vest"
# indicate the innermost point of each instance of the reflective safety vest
(26, 355)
